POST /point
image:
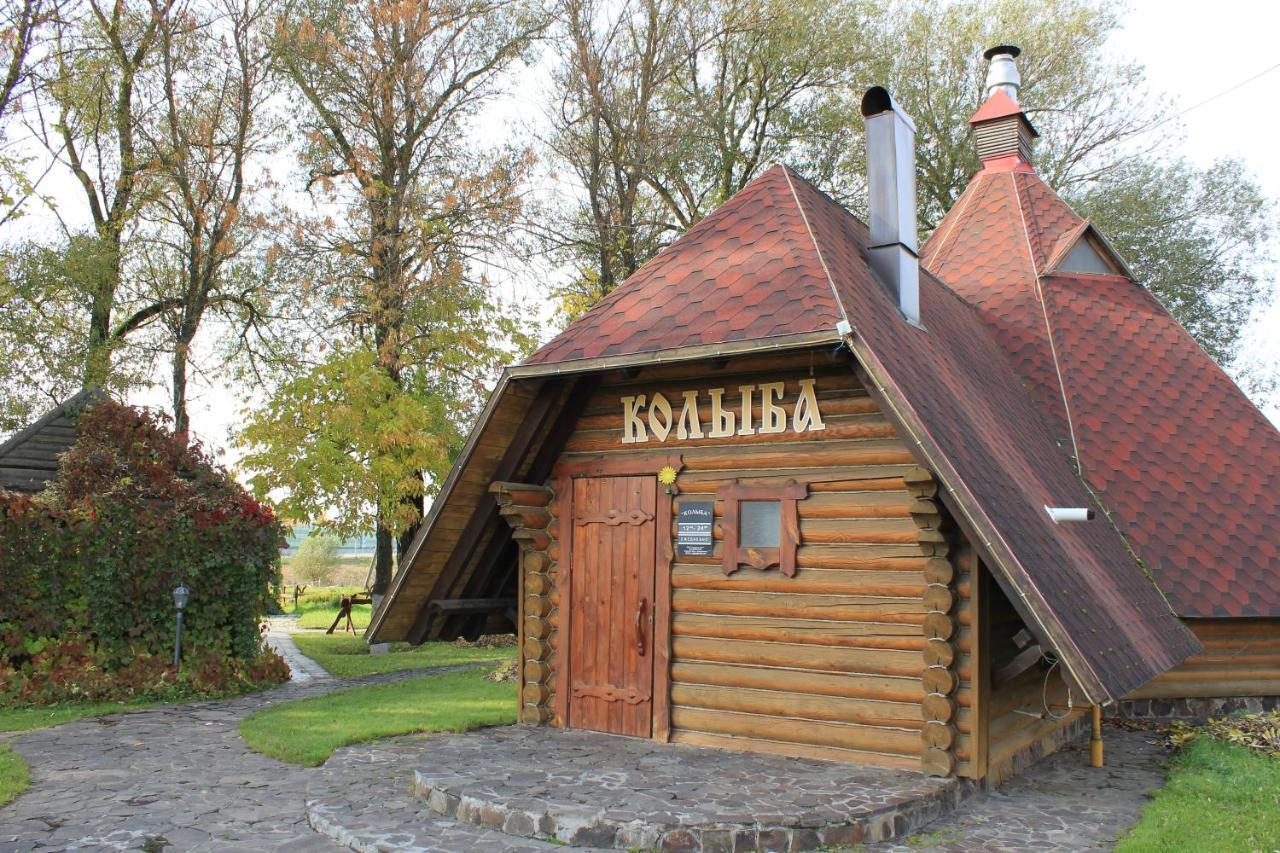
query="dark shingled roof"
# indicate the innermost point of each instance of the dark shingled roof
(1187, 466)
(29, 459)
(781, 260)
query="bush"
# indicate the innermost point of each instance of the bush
(88, 567)
(316, 559)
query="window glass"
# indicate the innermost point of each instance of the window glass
(760, 523)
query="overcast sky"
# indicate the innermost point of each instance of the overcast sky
(1189, 54)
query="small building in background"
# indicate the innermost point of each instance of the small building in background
(29, 458)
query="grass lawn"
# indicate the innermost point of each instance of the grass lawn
(1218, 797)
(318, 607)
(27, 719)
(14, 775)
(345, 656)
(322, 617)
(306, 732)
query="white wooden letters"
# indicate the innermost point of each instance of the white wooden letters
(652, 416)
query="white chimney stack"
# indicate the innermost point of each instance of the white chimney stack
(891, 176)
(1002, 74)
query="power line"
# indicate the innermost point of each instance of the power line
(1213, 98)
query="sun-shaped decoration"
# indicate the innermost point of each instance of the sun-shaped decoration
(667, 476)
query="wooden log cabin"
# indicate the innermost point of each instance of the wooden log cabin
(797, 487)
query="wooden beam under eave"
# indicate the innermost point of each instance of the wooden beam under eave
(486, 510)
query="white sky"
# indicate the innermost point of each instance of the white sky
(1188, 53)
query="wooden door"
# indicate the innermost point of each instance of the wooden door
(611, 609)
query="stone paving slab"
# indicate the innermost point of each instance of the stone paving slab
(362, 798)
(302, 669)
(177, 777)
(584, 788)
(1059, 805)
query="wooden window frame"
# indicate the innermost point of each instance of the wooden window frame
(784, 556)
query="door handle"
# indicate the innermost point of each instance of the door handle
(640, 621)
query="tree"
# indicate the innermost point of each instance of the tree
(317, 558)
(1092, 108)
(24, 24)
(663, 109)
(612, 65)
(216, 68)
(385, 91)
(344, 443)
(759, 81)
(96, 86)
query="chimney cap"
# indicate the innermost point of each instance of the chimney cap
(877, 101)
(1010, 49)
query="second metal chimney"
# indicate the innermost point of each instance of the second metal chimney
(891, 176)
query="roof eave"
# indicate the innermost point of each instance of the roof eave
(459, 465)
(679, 354)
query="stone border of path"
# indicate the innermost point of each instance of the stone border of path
(1059, 805)
(587, 789)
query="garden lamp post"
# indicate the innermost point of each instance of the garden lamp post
(180, 596)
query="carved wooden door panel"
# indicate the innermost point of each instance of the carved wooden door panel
(611, 609)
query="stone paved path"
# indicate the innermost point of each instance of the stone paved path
(179, 778)
(304, 669)
(174, 777)
(582, 787)
(1060, 804)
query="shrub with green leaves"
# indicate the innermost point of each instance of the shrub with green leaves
(317, 558)
(88, 568)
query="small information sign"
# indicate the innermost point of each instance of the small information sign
(693, 528)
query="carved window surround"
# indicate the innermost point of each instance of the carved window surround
(784, 556)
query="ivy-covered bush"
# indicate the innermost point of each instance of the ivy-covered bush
(88, 567)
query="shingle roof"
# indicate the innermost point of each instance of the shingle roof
(747, 271)
(29, 458)
(953, 388)
(1188, 468)
(781, 260)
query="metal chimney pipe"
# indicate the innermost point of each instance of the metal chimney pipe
(891, 177)
(1002, 74)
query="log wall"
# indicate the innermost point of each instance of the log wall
(1241, 659)
(830, 663)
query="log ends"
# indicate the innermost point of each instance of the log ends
(940, 600)
(527, 509)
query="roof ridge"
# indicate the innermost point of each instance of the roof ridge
(979, 188)
(835, 294)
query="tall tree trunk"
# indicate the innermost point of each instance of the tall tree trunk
(97, 363)
(405, 542)
(381, 559)
(181, 351)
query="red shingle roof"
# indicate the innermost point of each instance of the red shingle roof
(758, 267)
(955, 390)
(1188, 468)
(745, 272)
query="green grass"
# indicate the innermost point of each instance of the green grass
(323, 617)
(14, 775)
(1218, 797)
(27, 719)
(317, 608)
(306, 732)
(346, 656)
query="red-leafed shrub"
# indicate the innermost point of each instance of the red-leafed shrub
(88, 567)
